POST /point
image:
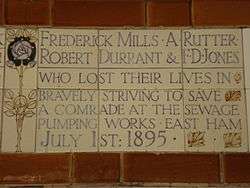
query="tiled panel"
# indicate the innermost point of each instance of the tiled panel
(216, 120)
(18, 133)
(140, 48)
(2, 45)
(21, 58)
(67, 120)
(246, 44)
(212, 48)
(152, 121)
(85, 90)
(140, 79)
(2, 54)
(19, 94)
(69, 78)
(69, 47)
(203, 78)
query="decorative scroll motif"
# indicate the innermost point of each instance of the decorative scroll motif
(232, 140)
(237, 77)
(196, 139)
(233, 96)
(21, 56)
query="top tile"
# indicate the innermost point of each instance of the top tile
(212, 48)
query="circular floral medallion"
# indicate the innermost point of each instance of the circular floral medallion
(22, 51)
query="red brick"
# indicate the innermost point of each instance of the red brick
(27, 12)
(237, 168)
(1, 12)
(97, 167)
(99, 12)
(181, 168)
(168, 13)
(34, 168)
(221, 12)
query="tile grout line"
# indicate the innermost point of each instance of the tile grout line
(51, 12)
(38, 42)
(245, 89)
(98, 90)
(146, 13)
(191, 8)
(72, 168)
(121, 178)
(221, 167)
(3, 91)
(182, 84)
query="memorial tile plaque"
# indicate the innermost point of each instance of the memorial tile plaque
(86, 90)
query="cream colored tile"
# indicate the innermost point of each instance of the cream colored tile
(141, 79)
(213, 78)
(220, 120)
(140, 48)
(13, 77)
(68, 47)
(68, 78)
(67, 120)
(1, 116)
(212, 48)
(1, 76)
(19, 121)
(2, 45)
(197, 136)
(246, 50)
(21, 58)
(248, 113)
(232, 130)
(141, 120)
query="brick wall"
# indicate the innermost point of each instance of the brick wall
(125, 168)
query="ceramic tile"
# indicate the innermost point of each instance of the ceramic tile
(219, 120)
(67, 120)
(141, 79)
(2, 45)
(1, 117)
(213, 78)
(246, 50)
(21, 58)
(1, 77)
(69, 47)
(212, 48)
(248, 113)
(140, 48)
(69, 78)
(19, 120)
(141, 120)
